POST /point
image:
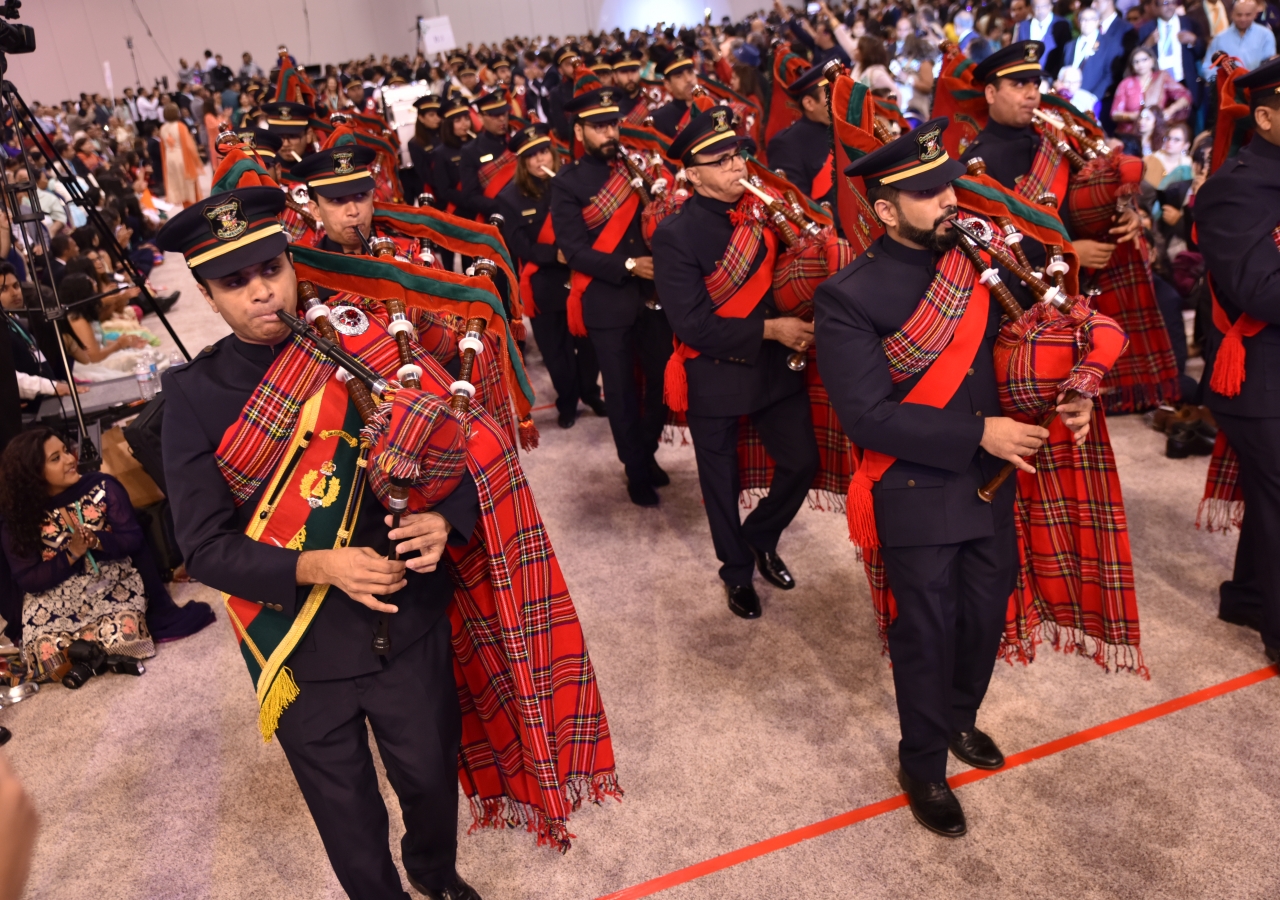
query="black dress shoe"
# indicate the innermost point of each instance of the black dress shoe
(1247, 619)
(773, 569)
(975, 748)
(642, 494)
(566, 420)
(459, 890)
(1273, 654)
(744, 601)
(934, 806)
(1187, 440)
(597, 406)
(658, 474)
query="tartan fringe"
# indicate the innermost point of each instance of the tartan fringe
(1074, 641)
(504, 812)
(1131, 398)
(1216, 514)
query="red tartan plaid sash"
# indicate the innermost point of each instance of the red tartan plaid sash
(614, 206)
(496, 173)
(942, 336)
(733, 294)
(1048, 173)
(535, 740)
(638, 112)
(546, 235)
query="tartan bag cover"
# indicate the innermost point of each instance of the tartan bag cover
(535, 739)
(1147, 374)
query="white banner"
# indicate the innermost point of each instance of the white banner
(437, 35)
(106, 73)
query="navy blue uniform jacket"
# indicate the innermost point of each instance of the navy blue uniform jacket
(739, 371)
(614, 297)
(523, 217)
(1236, 211)
(202, 399)
(930, 495)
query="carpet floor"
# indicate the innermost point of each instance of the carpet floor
(727, 732)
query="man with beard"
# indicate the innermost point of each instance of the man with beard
(595, 214)
(680, 78)
(626, 75)
(905, 336)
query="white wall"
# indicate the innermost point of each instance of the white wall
(75, 37)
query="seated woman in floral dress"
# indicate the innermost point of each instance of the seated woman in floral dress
(77, 553)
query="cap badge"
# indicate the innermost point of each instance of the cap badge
(227, 221)
(342, 162)
(1032, 53)
(930, 145)
(246, 137)
(606, 97)
(719, 119)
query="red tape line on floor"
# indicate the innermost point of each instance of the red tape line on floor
(862, 813)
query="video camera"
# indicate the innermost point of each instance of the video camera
(15, 38)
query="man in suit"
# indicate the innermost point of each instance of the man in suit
(596, 220)
(932, 435)
(1237, 216)
(733, 351)
(1039, 27)
(1099, 45)
(233, 243)
(1179, 45)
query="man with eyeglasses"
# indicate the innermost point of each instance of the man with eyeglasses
(713, 263)
(595, 214)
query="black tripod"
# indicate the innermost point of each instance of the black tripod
(14, 110)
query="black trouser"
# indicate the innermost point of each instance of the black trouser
(570, 361)
(786, 427)
(636, 415)
(951, 601)
(412, 705)
(1253, 593)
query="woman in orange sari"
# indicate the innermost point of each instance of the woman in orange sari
(180, 159)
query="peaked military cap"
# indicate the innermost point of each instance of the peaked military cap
(675, 61)
(530, 138)
(225, 232)
(1019, 61)
(456, 105)
(427, 103)
(599, 105)
(1263, 80)
(709, 132)
(916, 161)
(287, 119)
(337, 171)
(626, 60)
(809, 79)
(492, 103)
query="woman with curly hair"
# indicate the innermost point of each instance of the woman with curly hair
(77, 553)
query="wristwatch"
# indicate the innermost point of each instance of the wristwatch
(630, 264)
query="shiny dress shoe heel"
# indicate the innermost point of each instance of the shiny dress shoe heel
(934, 806)
(744, 601)
(597, 406)
(1273, 654)
(567, 420)
(658, 474)
(1187, 440)
(773, 569)
(642, 494)
(975, 748)
(459, 890)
